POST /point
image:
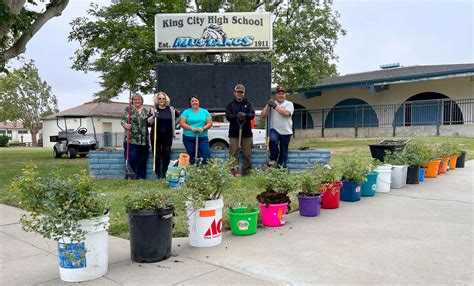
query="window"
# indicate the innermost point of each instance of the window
(22, 132)
(2, 132)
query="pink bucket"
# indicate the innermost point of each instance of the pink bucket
(274, 214)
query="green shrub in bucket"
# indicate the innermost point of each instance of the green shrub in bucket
(309, 198)
(274, 200)
(243, 213)
(414, 155)
(203, 198)
(330, 186)
(150, 218)
(353, 175)
(68, 210)
(369, 187)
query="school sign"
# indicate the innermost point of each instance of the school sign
(213, 32)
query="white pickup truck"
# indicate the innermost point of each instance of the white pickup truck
(218, 135)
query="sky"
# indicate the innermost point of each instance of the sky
(409, 32)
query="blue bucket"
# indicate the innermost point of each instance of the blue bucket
(422, 174)
(368, 188)
(350, 191)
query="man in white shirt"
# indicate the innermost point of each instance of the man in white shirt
(281, 126)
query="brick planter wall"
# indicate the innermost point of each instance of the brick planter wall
(110, 164)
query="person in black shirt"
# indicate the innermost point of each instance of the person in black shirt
(166, 119)
(239, 113)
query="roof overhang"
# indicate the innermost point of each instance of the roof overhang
(381, 84)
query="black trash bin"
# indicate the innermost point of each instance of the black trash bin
(413, 175)
(461, 160)
(378, 150)
(150, 234)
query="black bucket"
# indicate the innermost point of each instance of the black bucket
(150, 234)
(413, 175)
(461, 160)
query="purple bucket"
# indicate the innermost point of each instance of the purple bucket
(309, 206)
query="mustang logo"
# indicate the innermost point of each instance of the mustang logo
(213, 31)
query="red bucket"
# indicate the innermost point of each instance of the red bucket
(331, 195)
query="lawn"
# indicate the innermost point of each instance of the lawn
(12, 160)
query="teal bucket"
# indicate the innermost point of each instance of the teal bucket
(369, 187)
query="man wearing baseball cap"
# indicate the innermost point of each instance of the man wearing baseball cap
(239, 113)
(281, 126)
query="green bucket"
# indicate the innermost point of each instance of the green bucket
(243, 222)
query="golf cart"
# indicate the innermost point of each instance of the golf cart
(73, 142)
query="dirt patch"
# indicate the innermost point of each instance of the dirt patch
(339, 150)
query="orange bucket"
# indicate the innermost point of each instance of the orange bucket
(183, 160)
(452, 162)
(432, 169)
(444, 166)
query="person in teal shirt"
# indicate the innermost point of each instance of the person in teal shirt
(196, 121)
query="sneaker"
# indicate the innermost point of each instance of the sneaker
(272, 163)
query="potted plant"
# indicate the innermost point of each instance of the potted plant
(398, 178)
(353, 175)
(369, 187)
(413, 155)
(433, 159)
(243, 216)
(455, 152)
(330, 186)
(150, 221)
(69, 211)
(309, 198)
(274, 200)
(461, 159)
(203, 195)
(445, 151)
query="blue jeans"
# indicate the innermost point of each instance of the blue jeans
(204, 151)
(138, 157)
(279, 147)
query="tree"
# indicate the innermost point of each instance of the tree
(19, 22)
(26, 98)
(118, 41)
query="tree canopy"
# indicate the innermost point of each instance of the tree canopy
(26, 98)
(118, 41)
(20, 20)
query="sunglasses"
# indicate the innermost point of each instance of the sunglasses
(161, 98)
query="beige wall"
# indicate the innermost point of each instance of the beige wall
(454, 88)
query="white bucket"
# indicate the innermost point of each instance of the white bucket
(383, 178)
(399, 176)
(205, 225)
(96, 244)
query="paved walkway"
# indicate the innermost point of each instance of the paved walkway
(421, 234)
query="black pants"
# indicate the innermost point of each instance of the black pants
(163, 153)
(137, 159)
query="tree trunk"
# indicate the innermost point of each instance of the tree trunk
(34, 141)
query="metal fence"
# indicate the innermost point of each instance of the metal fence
(439, 112)
(410, 113)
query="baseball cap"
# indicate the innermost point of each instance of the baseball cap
(239, 87)
(280, 88)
